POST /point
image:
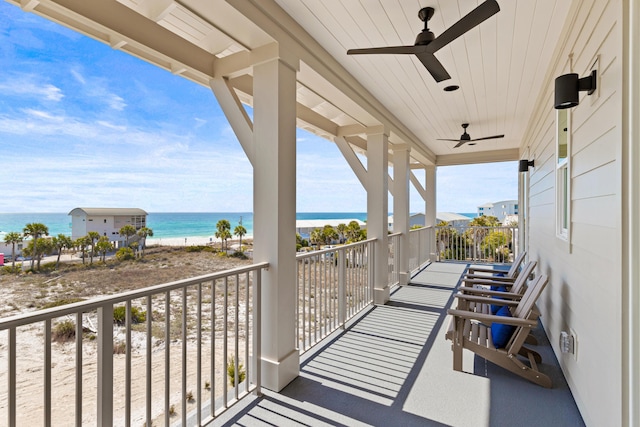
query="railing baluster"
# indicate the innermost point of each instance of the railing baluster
(297, 300)
(342, 289)
(225, 322)
(127, 375)
(257, 328)
(184, 356)
(212, 357)
(236, 350)
(105, 365)
(199, 355)
(148, 363)
(12, 377)
(79, 399)
(304, 303)
(167, 357)
(47, 372)
(246, 333)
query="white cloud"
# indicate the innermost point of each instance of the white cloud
(29, 86)
(79, 77)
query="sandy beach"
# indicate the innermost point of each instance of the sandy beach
(191, 241)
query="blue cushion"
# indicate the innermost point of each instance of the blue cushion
(502, 333)
(495, 307)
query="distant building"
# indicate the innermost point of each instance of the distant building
(105, 221)
(6, 249)
(414, 219)
(499, 209)
(454, 219)
(304, 227)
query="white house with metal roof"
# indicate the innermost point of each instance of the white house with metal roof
(499, 209)
(105, 221)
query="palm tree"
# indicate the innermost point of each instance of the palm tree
(82, 243)
(61, 242)
(94, 236)
(145, 232)
(240, 231)
(316, 236)
(35, 230)
(36, 249)
(329, 234)
(223, 226)
(354, 233)
(342, 230)
(127, 231)
(11, 238)
(103, 246)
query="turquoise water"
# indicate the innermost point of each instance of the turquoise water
(163, 224)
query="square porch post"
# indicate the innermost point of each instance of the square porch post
(274, 182)
(378, 208)
(401, 223)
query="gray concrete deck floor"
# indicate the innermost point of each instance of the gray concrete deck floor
(393, 367)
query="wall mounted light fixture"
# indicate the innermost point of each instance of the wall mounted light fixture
(568, 87)
(523, 165)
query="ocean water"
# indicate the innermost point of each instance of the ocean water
(163, 224)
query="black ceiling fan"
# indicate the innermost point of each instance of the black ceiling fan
(466, 138)
(427, 43)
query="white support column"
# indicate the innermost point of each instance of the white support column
(401, 207)
(378, 208)
(631, 204)
(274, 187)
(430, 206)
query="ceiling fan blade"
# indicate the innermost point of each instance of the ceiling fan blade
(474, 18)
(460, 144)
(434, 66)
(488, 137)
(445, 139)
(395, 50)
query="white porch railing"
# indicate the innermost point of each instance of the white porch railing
(171, 364)
(477, 244)
(333, 286)
(420, 242)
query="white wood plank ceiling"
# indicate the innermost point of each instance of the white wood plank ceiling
(500, 65)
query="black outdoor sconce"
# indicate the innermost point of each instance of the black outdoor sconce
(569, 86)
(523, 165)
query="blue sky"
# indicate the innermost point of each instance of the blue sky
(82, 124)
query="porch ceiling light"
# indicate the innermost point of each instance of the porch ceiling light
(523, 165)
(568, 87)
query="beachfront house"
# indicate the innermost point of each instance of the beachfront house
(516, 73)
(6, 249)
(453, 219)
(499, 209)
(105, 221)
(415, 219)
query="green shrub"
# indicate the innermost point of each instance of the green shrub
(7, 269)
(64, 331)
(125, 254)
(199, 248)
(119, 315)
(239, 255)
(49, 266)
(231, 371)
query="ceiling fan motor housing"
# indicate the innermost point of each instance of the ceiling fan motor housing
(426, 36)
